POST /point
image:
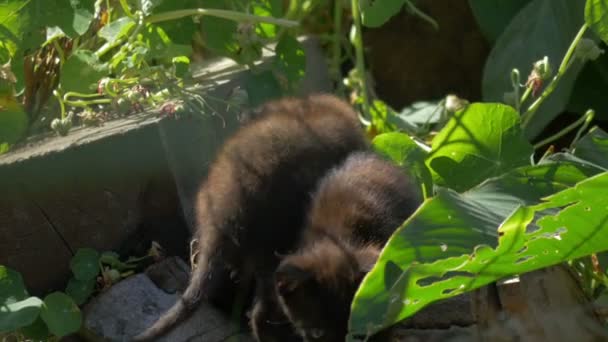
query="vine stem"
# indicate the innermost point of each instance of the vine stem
(564, 66)
(225, 14)
(585, 120)
(360, 61)
(411, 7)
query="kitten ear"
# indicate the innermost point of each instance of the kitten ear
(288, 278)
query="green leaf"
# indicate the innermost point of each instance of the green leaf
(81, 72)
(13, 120)
(116, 29)
(267, 8)
(80, 290)
(385, 119)
(37, 331)
(482, 141)
(542, 28)
(19, 314)
(159, 44)
(290, 60)
(422, 113)
(402, 150)
(182, 30)
(375, 13)
(596, 16)
(494, 15)
(83, 15)
(12, 287)
(593, 147)
(61, 314)
(262, 87)
(85, 264)
(442, 233)
(219, 34)
(182, 65)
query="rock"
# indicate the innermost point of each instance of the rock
(133, 304)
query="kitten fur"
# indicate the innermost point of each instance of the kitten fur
(253, 203)
(355, 210)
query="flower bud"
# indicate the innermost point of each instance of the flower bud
(587, 49)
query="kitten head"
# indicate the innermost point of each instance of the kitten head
(316, 285)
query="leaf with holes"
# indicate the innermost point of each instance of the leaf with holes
(61, 314)
(85, 264)
(596, 16)
(593, 147)
(484, 140)
(402, 150)
(447, 228)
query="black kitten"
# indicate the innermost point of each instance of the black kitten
(355, 210)
(253, 203)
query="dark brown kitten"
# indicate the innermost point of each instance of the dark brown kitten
(253, 203)
(355, 210)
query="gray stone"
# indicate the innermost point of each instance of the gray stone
(132, 305)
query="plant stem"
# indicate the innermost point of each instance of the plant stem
(572, 126)
(61, 104)
(126, 9)
(87, 103)
(336, 53)
(565, 64)
(230, 15)
(412, 8)
(590, 114)
(525, 96)
(359, 58)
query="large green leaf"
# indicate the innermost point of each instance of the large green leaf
(81, 72)
(593, 147)
(61, 314)
(596, 16)
(19, 314)
(402, 150)
(437, 241)
(374, 13)
(494, 15)
(261, 87)
(542, 28)
(37, 331)
(290, 60)
(13, 121)
(265, 8)
(181, 30)
(85, 264)
(482, 141)
(12, 288)
(589, 89)
(116, 29)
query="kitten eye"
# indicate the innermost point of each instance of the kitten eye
(316, 333)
